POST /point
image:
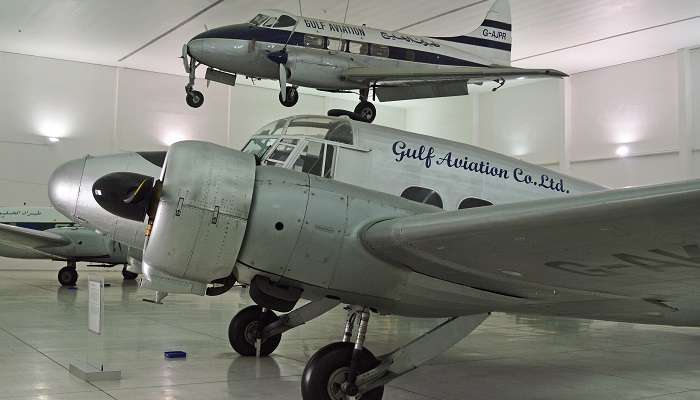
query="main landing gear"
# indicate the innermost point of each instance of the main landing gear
(128, 275)
(346, 369)
(68, 275)
(194, 98)
(365, 110)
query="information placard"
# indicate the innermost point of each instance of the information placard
(95, 305)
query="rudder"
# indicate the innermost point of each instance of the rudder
(492, 39)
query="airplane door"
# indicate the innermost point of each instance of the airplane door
(315, 256)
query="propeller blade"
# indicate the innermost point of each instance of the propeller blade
(283, 82)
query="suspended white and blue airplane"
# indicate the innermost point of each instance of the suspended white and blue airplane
(338, 57)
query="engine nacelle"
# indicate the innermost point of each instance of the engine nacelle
(201, 217)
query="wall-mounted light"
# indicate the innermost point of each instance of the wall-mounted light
(622, 151)
(54, 139)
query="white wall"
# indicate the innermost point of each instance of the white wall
(640, 105)
(98, 110)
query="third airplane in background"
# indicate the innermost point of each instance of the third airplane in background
(338, 57)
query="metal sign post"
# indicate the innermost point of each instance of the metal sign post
(89, 370)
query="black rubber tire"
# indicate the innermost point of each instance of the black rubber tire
(292, 97)
(67, 276)
(325, 362)
(366, 111)
(194, 99)
(271, 302)
(243, 343)
(128, 275)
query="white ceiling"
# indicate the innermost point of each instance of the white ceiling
(570, 35)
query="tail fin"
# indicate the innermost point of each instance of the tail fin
(492, 39)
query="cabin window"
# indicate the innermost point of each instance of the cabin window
(379, 50)
(358, 48)
(318, 42)
(285, 21)
(422, 195)
(472, 202)
(316, 159)
(335, 44)
(259, 19)
(410, 55)
(282, 151)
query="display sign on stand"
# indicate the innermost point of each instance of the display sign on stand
(92, 369)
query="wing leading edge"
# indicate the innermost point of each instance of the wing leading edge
(30, 238)
(638, 244)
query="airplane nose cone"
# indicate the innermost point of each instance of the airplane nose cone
(196, 48)
(64, 185)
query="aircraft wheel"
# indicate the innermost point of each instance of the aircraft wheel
(67, 276)
(244, 328)
(292, 97)
(128, 275)
(366, 111)
(328, 369)
(194, 98)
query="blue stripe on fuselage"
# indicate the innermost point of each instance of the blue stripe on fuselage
(269, 35)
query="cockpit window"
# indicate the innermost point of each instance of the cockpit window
(282, 151)
(270, 22)
(285, 21)
(259, 19)
(322, 128)
(259, 146)
(273, 128)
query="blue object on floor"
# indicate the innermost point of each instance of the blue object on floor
(72, 288)
(175, 354)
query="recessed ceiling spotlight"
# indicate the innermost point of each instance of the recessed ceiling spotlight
(54, 139)
(622, 151)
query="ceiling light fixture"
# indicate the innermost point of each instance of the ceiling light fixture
(54, 139)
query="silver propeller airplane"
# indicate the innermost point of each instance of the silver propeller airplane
(386, 221)
(339, 57)
(41, 233)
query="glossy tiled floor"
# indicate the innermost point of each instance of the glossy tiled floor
(43, 328)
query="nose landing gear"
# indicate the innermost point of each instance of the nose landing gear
(194, 98)
(291, 97)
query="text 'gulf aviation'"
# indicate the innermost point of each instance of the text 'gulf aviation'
(339, 57)
(337, 211)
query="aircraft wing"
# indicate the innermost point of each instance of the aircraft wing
(413, 82)
(29, 238)
(639, 243)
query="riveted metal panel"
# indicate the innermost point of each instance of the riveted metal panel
(203, 211)
(321, 237)
(276, 218)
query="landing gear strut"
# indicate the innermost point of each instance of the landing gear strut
(254, 328)
(365, 109)
(194, 98)
(128, 275)
(68, 276)
(344, 370)
(292, 97)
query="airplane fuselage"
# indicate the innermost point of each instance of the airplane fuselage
(320, 51)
